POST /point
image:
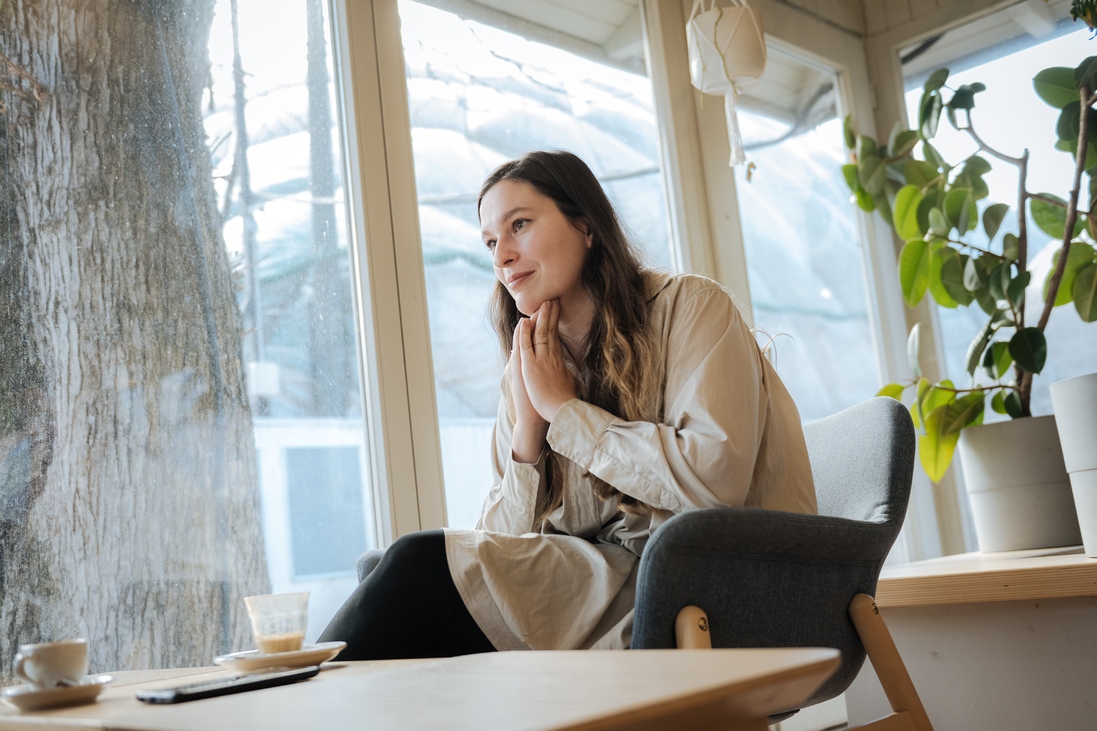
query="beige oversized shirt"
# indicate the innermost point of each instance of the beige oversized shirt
(729, 435)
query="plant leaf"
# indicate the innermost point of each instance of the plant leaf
(938, 224)
(849, 172)
(998, 279)
(892, 390)
(864, 200)
(997, 403)
(919, 172)
(954, 203)
(913, 341)
(1056, 86)
(905, 213)
(903, 143)
(932, 198)
(1010, 244)
(872, 171)
(963, 412)
(914, 271)
(919, 397)
(936, 80)
(996, 360)
(1015, 292)
(964, 98)
(938, 253)
(865, 146)
(1079, 255)
(847, 131)
(969, 215)
(1012, 402)
(1085, 293)
(1085, 73)
(929, 114)
(1029, 348)
(986, 301)
(935, 447)
(1052, 219)
(930, 152)
(952, 277)
(992, 218)
(978, 345)
(975, 273)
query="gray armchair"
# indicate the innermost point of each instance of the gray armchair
(764, 578)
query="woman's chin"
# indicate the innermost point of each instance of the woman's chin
(527, 305)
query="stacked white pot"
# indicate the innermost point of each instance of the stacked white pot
(1075, 403)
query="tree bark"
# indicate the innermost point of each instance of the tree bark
(130, 506)
(330, 340)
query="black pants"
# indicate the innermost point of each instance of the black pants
(407, 607)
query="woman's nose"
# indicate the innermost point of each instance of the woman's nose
(504, 253)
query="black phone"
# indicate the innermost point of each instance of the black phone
(225, 686)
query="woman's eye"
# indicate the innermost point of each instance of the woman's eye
(520, 224)
(490, 245)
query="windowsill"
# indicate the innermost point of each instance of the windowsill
(989, 577)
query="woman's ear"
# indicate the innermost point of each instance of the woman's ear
(588, 231)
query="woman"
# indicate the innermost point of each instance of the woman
(628, 396)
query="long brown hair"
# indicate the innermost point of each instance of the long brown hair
(619, 359)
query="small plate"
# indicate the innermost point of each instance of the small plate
(251, 661)
(28, 698)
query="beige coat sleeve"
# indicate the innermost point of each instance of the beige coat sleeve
(517, 488)
(715, 405)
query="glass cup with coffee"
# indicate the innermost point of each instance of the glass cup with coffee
(278, 621)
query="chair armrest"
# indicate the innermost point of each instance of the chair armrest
(765, 578)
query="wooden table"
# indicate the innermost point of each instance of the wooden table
(637, 689)
(992, 640)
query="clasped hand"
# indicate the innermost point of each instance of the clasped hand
(539, 381)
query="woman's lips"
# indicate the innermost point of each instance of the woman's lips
(518, 279)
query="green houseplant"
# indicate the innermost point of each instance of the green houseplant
(934, 207)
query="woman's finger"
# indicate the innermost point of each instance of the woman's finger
(553, 332)
(525, 342)
(542, 334)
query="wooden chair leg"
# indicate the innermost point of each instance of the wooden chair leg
(691, 629)
(907, 706)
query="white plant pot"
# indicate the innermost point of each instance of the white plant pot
(1075, 403)
(1018, 486)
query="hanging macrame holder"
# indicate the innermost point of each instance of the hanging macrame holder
(727, 54)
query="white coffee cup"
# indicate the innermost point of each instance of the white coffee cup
(49, 664)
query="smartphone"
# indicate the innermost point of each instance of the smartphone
(225, 686)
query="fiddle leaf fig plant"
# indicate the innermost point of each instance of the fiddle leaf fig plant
(937, 209)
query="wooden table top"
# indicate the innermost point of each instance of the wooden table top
(580, 690)
(1046, 573)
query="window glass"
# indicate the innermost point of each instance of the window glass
(479, 96)
(325, 488)
(1007, 71)
(180, 409)
(801, 240)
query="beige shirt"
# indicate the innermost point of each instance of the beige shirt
(729, 435)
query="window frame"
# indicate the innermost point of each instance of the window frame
(403, 431)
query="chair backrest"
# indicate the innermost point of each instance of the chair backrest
(862, 459)
(772, 579)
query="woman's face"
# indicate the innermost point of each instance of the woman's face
(537, 253)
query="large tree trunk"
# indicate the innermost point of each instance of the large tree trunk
(128, 493)
(330, 341)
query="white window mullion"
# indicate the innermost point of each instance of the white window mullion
(387, 301)
(680, 146)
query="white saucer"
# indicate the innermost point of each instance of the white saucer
(251, 661)
(28, 698)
